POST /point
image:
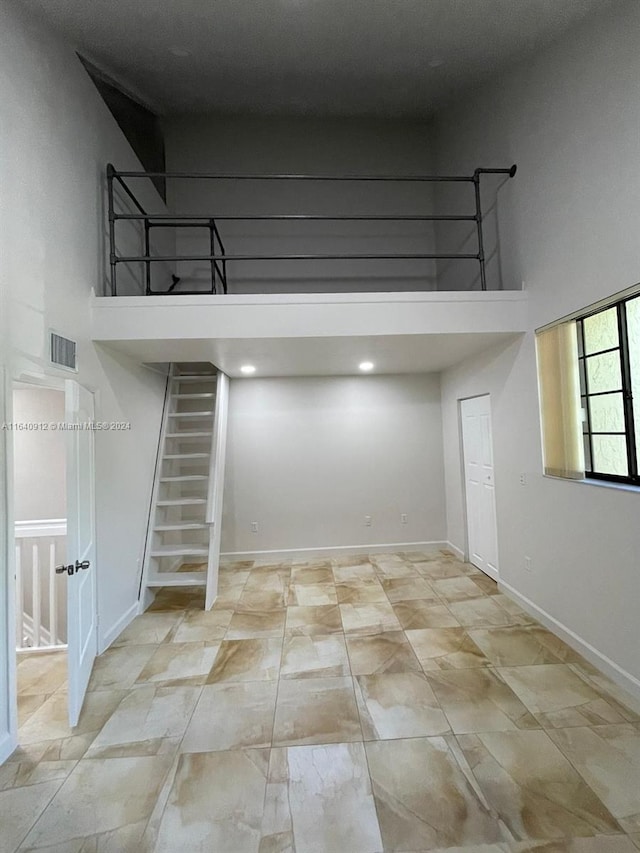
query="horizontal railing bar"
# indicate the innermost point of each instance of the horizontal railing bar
(141, 258)
(224, 177)
(176, 219)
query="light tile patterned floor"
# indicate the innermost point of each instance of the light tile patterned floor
(390, 702)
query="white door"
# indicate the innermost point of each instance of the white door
(216, 485)
(81, 583)
(477, 445)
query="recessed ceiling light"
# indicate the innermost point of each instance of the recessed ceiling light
(182, 52)
(366, 366)
(436, 62)
(247, 369)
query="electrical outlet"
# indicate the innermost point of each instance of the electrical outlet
(528, 565)
(523, 479)
(403, 518)
(367, 521)
(254, 526)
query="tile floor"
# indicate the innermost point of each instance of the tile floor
(374, 703)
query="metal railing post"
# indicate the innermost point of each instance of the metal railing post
(212, 248)
(112, 230)
(483, 272)
(147, 251)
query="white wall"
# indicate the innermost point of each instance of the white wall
(308, 459)
(571, 120)
(39, 456)
(235, 145)
(56, 135)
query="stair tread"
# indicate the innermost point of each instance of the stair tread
(180, 550)
(187, 434)
(188, 525)
(190, 414)
(186, 478)
(186, 456)
(204, 395)
(181, 502)
(194, 377)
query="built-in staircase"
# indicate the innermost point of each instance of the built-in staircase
(183, 536)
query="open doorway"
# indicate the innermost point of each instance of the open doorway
(40, 543)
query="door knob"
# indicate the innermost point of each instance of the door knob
(70, 570)
(83, 565)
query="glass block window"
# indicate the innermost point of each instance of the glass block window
(609, 368)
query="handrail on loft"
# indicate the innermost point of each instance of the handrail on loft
(217, 256)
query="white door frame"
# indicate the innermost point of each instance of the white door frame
(9, 737)
(463, 477)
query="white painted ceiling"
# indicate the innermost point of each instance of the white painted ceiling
(319, 57)
(328, 356)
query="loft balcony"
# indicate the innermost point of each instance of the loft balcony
(306, 274)
(265, 233)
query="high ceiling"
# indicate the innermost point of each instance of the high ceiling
(318, 57)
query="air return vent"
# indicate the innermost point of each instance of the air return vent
(62, 352)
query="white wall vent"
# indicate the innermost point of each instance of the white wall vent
(62, 352)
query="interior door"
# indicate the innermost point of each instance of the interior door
(477, 444)
(81, 571)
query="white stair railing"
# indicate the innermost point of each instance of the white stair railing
(40, 593)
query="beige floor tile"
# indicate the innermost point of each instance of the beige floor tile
(247, 660)
(28, 704)
(20, 808)
(274, 579)
(378, 653)
(51, 721)
(149, 628)
(313, 620)
(457, 589)
(368, 618)
(557, 697)
(350, 560)
(203, 626)
(41, 673)
(440, 569)
(100, 795)
(635, 838)
(180, 663)
(256, 624)
(418, 556)
(608, 759)
(423, 799)
(312, 574)
(486, 584)
(400, 569)
(516, 645)
(398, 705)
(321, 795)
(224, 818)
(481, 613)
(119, 668)
(517, 614)
(445, 648)
(316, 711)
(625, 703)
(125, 838)
(355, 572)
(144, 719)
(362, 591)
(532, 786)
(261, 600)
(478, 700)
(234, 715)
(424, 614)
(320, 655)
(406, 589)
(33, 770)
(598, 844)
(312, 594)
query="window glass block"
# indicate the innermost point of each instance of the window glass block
(607, 413)
(633, 335)
(601, 330)
(610, 454)
(603, 372)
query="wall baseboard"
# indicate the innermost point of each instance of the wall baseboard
(114, 632)
(332, 551)
(610, 668)
(7, 746)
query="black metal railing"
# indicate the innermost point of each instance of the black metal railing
(217, 256)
